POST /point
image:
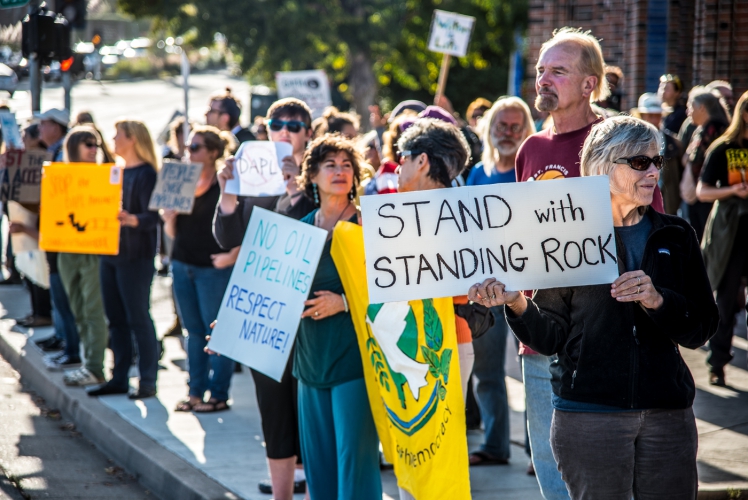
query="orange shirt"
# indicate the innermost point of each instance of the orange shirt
(464, 335)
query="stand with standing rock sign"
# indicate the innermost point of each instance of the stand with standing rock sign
(533, 235)
(262, 306)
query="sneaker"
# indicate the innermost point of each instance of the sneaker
(81, 378)
(38, 322)
(63, 362)
(52, 344)
(50, 358)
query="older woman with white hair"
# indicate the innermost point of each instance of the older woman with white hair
(622, 395)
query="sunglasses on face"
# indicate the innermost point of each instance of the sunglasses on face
(91, 145)
(194, 148)
(293, 126)
(401, 155)
(642, 162)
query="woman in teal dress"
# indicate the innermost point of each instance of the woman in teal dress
(339, 441)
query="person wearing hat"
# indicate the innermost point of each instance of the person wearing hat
(649, 109)
(53, 125)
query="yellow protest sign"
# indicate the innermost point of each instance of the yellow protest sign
(79, 206)
(412, 374)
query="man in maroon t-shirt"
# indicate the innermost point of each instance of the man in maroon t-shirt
(570, 75)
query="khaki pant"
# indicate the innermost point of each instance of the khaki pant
(80, 277)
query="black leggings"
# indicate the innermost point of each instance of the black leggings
(727, 294)
(279, 412)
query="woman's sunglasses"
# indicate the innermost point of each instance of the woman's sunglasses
(401, 155)
(91, 145)
(194, 148)
(642, 162)
(293, 126)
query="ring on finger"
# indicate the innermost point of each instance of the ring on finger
(493, 296)
(316, 314)
(638, 290)
(639, 280)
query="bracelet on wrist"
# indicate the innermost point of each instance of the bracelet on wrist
(345, 302)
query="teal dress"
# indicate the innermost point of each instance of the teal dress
(327, 351)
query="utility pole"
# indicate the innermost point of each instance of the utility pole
(35, 67)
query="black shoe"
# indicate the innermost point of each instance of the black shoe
(52, 344)
(143, 393)
(106, 389)
(13, 280)
(266, 486)
(717, 377)
(63, 362)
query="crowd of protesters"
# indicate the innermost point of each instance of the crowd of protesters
(598, 362)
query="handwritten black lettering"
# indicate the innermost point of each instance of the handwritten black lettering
(465, 274)
(566, 254)
(440, 260)
(423, 265)
(418, 217)
(384, 269)
(547, 254)
(584, 251)
(604, 250)
(402, 223)
(405, 258)
(451, 216)
(463, 210)
(521, 268)
(488, 212)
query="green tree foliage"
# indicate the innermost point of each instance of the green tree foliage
(370, 48)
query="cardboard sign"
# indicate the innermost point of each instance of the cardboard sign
(22, 242)
(10, 130)
(21, 175)
(262, 306)
(439, 243)
(257, 169)
(80, 203)
(175, 187)
(310, 86)
(450, 33)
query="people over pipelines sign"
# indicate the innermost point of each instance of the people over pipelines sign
(529, 235)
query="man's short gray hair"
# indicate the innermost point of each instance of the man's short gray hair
(617, 137)
(443, 143)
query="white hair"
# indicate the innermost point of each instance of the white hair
(506, 102)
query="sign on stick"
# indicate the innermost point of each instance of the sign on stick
(10, 130)
(257, 169)
(450, 33)
(175, 187)
(262, 306)
(21, 175)
(80, 203)
(534, 235)
(310, 86)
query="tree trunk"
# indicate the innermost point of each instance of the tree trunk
(363, 86)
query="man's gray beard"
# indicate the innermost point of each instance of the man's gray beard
(503, 150)
(546, 102)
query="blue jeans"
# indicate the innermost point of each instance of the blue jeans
(339, 442)
(537, 378)
(198, 292)
(62, 317)
(490, 355)
(126, 290)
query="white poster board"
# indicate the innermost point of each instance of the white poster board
(263, 302)
(450, 33)
(175, 187)
(528, 235)
(22, 242)
(310, 86)
(11, 132)
(257, 169)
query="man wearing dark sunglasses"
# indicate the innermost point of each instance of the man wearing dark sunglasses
(288, 120)
(223, 113)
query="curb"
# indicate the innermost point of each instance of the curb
(165, 474)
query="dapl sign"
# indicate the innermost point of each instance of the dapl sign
(257, 169)
(450, 33)
(311, 87)
(21, 175)
(438, 243)
(80, 203)
(175, 187)
(262, 306)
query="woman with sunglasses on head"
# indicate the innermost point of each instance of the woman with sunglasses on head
(288, 120)
(80, 274)
(724, 181)
(623, 424)
(126, 277)
(201, 270)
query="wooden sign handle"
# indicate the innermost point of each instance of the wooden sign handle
(443, 73)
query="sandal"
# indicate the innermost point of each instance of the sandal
(211, 406)
(483, 458)
(186, 405)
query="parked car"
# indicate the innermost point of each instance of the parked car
(8, 79)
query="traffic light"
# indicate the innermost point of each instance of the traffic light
(47, 35)
(74, 11)
(96, 40)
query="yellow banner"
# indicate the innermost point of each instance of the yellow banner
(412, 373)
(79, 207)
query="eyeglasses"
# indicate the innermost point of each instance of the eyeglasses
(213, 110)
(293, 126)
(401, 155)
(642, 162)
(503, 127)
(194, 147)
(90, 144)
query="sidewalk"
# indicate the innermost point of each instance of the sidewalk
(185, 456)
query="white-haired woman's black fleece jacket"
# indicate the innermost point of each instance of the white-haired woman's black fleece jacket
(622, 354)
